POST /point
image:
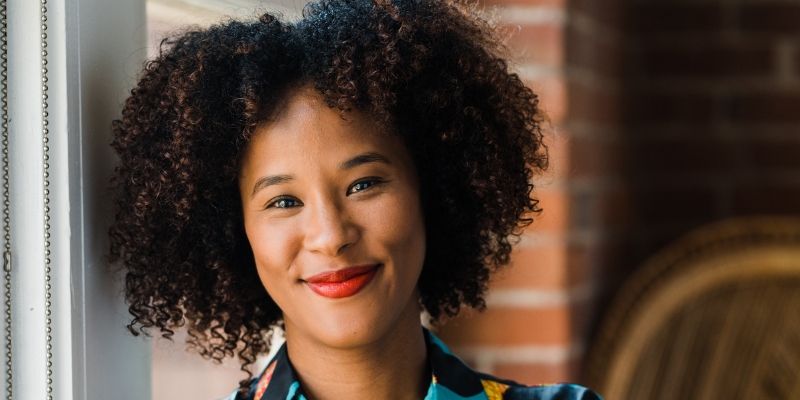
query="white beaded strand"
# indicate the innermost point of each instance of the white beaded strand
(46, 149)
(6, 196)
(7, 260)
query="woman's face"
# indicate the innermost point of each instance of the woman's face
(332, 212)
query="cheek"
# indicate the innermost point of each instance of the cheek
(274, 250)
(401, 228)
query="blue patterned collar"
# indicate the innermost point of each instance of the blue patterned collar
(451, 379)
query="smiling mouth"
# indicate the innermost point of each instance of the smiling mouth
(342, 283)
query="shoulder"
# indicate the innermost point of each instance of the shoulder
(501, 389)
(451, 372)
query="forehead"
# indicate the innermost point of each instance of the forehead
(305, 132)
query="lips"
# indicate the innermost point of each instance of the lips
(342, 283)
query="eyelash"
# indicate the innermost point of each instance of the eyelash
(369, 181)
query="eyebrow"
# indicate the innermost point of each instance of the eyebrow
(269, 181)
(360, 159)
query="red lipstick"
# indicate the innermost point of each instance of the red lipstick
(342, 283)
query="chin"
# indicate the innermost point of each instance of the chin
(359, 321)
(350, 330)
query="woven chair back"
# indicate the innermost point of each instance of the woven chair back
(713, 316)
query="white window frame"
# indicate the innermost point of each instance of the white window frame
(95, 48)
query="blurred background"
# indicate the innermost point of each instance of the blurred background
(665, 117)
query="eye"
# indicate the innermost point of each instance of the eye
(360, 186)
(284, 202)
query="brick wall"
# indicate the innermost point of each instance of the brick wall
(541, 311)
(714, 113)
(667, 115)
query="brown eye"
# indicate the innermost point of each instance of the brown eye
(361, 186)
(284, 202)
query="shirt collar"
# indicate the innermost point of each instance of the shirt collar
(451, 379)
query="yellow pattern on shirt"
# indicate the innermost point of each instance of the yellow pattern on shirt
(494, 390)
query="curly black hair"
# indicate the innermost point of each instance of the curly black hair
(432, 71)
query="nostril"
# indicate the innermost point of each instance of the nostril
(343, 247)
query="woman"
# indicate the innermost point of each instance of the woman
(334, 177)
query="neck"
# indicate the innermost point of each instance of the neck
(392, 367)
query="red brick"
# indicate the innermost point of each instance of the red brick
(775, 153)
(579, 264)
(709, 62)
(552, 97)
(537, 374)
(538, 44)
(582, 314)
(775, 18)
(554, 217)
(558, 152)
(615, 260)
(585, 50)
(557, 266)
(684, 156)
(763, 199)
(652, 18)
(541, 267)
(606, 12)
(657, 206)
(505, 326)
(600, 209)
(766, 107)
(597, 157)
(670, 108)
(587, 104)
(615, 209)
(583, 210)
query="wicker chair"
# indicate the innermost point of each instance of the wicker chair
(714, 316)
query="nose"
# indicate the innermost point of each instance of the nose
(329, 229)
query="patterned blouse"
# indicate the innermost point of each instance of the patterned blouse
(451, 380)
